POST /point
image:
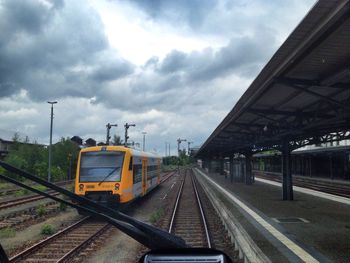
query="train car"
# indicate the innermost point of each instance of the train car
(116, 175)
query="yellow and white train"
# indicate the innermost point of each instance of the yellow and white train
(113, 175)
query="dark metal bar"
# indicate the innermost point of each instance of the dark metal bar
(159, 237)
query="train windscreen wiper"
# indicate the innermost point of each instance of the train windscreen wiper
(147, 235)
(109, 174)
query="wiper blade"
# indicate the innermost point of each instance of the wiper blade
(109, 174)
(155, 238)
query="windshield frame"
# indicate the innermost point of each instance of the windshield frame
(120, 153)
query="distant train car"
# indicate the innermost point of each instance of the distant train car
(114, 175)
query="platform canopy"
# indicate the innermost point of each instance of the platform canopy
(302, 95)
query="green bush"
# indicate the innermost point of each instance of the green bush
(47, 230)
(40, 210)
(7, 232)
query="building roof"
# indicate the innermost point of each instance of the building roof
(302, 92)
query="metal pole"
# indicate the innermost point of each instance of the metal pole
(144, 141)
(127, 126)
(108, 137)
(109, 126)
(50, 146)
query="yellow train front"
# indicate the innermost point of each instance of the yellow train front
(114, 175)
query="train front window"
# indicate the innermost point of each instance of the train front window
(101, 166)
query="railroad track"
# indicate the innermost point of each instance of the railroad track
(188, 220)
(24, 200)
(11, 191)
(166, 176)
(21, 218)
(318, 186)
(65, 244)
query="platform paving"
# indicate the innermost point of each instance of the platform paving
(324, 230)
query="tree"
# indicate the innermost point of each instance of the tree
(116, 140)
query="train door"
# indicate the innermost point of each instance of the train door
(144, 176)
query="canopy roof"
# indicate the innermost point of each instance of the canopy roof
(303, 92)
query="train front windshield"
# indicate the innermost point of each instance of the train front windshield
(101, 166)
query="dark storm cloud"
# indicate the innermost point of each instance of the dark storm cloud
(171, 83)
(54, 50)
(180, 11)
(112, 71)
(242, 56)
(220, 17)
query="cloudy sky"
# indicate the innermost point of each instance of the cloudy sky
(175, 68)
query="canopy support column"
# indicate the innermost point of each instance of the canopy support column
(248, 168)
(287, 183)
(231, 169)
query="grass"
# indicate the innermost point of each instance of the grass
(63, 207)
(40, 188)
(47, 229)
(22, 192)
(40, 210)
(6, 185)
(156, 215)
(7, 232)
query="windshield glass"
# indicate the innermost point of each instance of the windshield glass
(95, 166)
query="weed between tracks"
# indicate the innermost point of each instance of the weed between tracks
(47, 229)
(63, 207)
(156, 215)
(7, 232)
(21, 192)
(40, 210)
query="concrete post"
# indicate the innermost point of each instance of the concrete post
(248, 168)
(287, 183)
(231, 169)
(222, 172)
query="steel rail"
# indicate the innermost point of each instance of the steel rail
(166, 176)
(69, 254)
(42, 243)
(176, 205)
(202, 212)
(24, 200)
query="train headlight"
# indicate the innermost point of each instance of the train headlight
(81, 187)
(116, 186)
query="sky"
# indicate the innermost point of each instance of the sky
(174, 68)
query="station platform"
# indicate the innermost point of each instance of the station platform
(308, 229)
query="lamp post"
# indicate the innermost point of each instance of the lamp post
(144, 141)
(50, 146)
